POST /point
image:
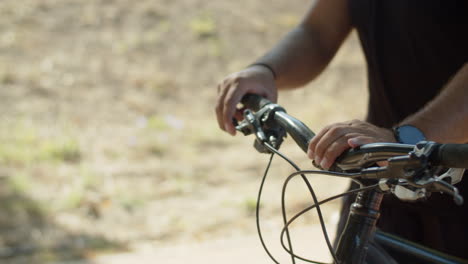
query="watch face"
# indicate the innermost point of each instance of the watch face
(408, 134)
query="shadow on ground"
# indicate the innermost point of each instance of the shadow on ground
(29, 235)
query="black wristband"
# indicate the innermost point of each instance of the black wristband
(266, 66)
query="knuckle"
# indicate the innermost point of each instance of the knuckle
(230, 102)
(234, 99)
(218, 108)
(312, 144)
(335, 130)
(226, 81)
(319, 149)
(327, 127)
(335, 150)
(228, 109)
(351, 135)
(236, 79)
(334, 147)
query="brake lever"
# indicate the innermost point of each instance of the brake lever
(454, 174)
(446, 187)
(251, 125)
(259, 123)
(257, 128)
(435, 184)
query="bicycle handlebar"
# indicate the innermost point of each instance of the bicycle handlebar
(447, 155)
(450, 155)
(298, 131)
(350, 159)
(255, 102)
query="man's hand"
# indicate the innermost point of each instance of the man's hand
(256, 80)
(334, 139)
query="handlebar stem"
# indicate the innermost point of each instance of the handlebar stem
(365, 212)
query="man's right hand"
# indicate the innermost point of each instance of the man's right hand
(255, 79)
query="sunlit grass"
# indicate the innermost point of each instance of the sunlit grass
(85, 181)
(203, 25)
(21, 144)
(21, 182)
(250, 205)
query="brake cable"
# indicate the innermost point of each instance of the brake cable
(314, 198)
(251, 125)
(257, 212)
(312, 207)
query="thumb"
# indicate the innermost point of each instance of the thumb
(359, 141)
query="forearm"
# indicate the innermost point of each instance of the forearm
(297, 59)
(445, 119)
(307, 49)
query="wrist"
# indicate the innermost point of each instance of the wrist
(264, 66)
(389, 135)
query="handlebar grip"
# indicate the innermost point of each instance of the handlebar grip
(298, 130)
(451, 155)
(254, 101)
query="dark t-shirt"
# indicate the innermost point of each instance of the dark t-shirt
(412, 49)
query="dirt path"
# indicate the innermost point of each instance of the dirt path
(307, 242)
(109, 142)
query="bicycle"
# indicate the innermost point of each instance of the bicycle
(412, 173)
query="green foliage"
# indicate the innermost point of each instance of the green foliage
(156, 147)
(250, 205)
(215, 47)
(73, 198)
(20, 182)
(157, 123)
(151, 136)
(7, 78)
(65, 149)
(130, 203)
(81, 184)
(203, 26)
(16, 205)
(21, 145)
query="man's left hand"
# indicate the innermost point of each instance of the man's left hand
(334, 139)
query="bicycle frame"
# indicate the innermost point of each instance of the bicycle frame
(360, 228)
(411, 251)
(362, 219)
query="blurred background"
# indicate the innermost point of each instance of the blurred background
(109, 147)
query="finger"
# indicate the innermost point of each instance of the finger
(382, 163)
(315, 140)
(222, 89)
(361, 140)
(334, 133)
(355, 142)
(333, 151)
(232, 98)
(239, 114)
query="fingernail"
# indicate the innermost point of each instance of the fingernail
(310, 154)
(324, 163)
(317, 159)
(354, 142)
(228, 128)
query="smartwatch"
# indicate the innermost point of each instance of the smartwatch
(408, 134)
